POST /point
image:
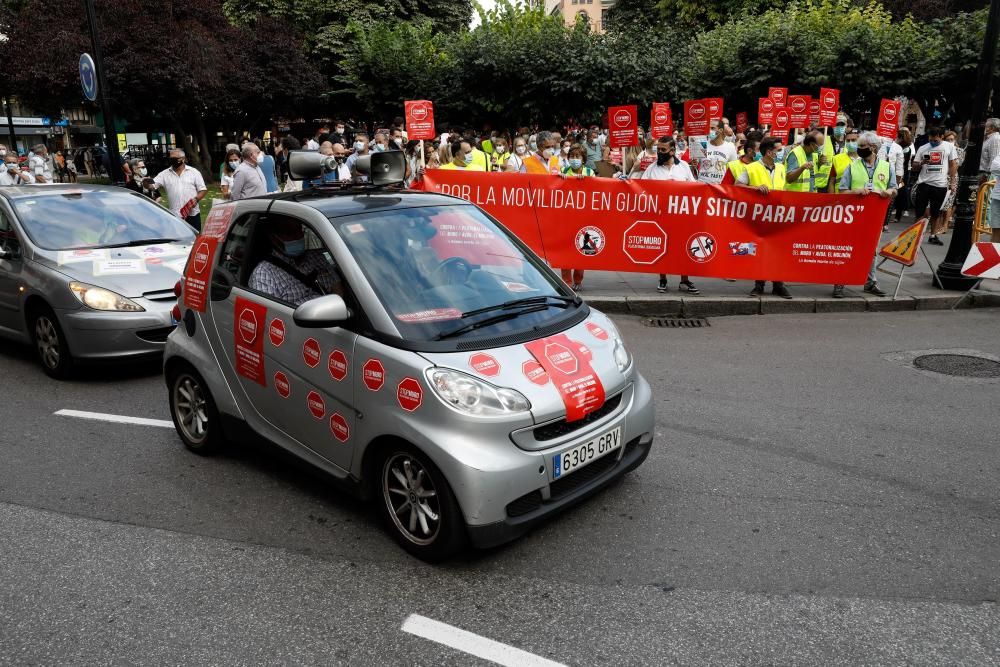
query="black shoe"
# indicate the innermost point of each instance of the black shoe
(662, 287)
(757, 291)
(689, 286)
(782, 291)
(838, 291)
(935, 241)
(873, 288)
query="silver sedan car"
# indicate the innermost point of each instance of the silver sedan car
(88, 273)
(410, 346)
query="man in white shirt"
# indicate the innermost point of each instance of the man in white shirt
(991, 148)
(937, 161)
(718, 154)
(12, 173)
(668, 167)
(314, 143)
(892, 153)
(248, 179)
(184, 186)
(41, 166)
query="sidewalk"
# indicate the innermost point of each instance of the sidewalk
(635, 293)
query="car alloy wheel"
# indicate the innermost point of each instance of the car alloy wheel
(47, 341)
(191, 409)
(411, 498)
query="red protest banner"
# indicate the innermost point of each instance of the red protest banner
(779, 96)
(798, 105)
(813, 111)
(888, 119)
(742, 122)
(782, 124)
(696, 118)
(419, 119)
(714, 105)
(661, 120)
(679, 227)
(765, 111)
(623, 126)
(829, 105)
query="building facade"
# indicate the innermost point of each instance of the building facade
(594, 12)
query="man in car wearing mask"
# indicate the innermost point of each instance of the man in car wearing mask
(185, 188)
(291, 273)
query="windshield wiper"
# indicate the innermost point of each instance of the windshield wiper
(129, 244)
(488, 321)
(527, 301)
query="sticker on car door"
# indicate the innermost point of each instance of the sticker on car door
(248, 337)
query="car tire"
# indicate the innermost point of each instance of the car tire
(432, 528)
(49, 342)
(193, 412)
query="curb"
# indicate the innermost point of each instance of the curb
(652, 306)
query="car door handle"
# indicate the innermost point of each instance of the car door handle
(222, 284)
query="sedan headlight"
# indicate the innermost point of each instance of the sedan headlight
(99, 298)
(475, 397)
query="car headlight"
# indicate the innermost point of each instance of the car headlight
(622, 358)
(99, 298)
(475, 397)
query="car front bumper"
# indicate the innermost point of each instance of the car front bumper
(106, 335)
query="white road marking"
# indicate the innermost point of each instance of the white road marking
(118, 419)
(473, 644)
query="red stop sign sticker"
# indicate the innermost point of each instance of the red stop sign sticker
(282, 385)
(410, 394)
(317, 406)
(276, 332)
(485, 364)
(373, 374)
(597, 332)
(336, 363)
(645, 242)
(248, 326)
(339, 427)
(311, 353)
(201, 256)
(561, 358)
(535, 372)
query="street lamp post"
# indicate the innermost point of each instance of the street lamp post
(10, 126)
(111, 137)
(949, 272)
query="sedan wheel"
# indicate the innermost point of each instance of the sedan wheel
(50, 344)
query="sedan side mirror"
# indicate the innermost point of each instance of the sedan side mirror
(322, 312)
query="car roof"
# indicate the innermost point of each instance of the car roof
(335, 203)
(19, 191)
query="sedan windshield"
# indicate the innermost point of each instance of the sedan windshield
(450, 271)
(97, 219)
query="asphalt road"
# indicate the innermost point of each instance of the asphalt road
(811, 499)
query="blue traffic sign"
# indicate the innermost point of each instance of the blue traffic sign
(88, 77)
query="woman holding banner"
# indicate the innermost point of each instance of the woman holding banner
(575, 168)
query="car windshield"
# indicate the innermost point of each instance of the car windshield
(97, 219)
(450, 271)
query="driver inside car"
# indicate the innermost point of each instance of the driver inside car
(291, 273)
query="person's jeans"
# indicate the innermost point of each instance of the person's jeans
(195, 220)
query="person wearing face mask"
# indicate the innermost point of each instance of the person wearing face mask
(461, 157)
(291, 273)
(515, 163)
(645, 158)
(575, 168)
(735, 168)
(903, 198)
(839, 136)
(802, 163)
(718, 154)
(41, 166)
(320, 136)
(12, 173)
(140, 181)
(842, 161)
(595, 148)
(766, 175)
(185, 188)
(248, 179)
(540, 161)
(500, 155)
(478, 157)
(228, 169)
(360, 149)
(669, 168)
(937, 163)
(338, 136)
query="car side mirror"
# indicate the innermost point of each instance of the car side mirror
(322, 312)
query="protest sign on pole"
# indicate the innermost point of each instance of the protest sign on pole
(782, 124)
(765, 111)
(678, 227)
(798, 105)
(813, 111)
(696, 119)
(829, 105)
(742, 122)
(623, 126)
(419, 119)
(661, 120)
(714, 105)
(888, 119)
(779, 96)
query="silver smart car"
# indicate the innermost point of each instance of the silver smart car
(88, 272)
(408, 344)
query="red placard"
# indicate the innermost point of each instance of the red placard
(742, 122)
(578, 385)
(888, 119)
(198, 272)
(623, 127)
(799, 237)
(813, 111)
(779, 96)
(248, 337)
(217, 223)
(765, 111)
(409, 394)
(696, 118)
(419, 119)
(782, 124)
(661, 120)
(798, 107)
(714, 105)
(829, 105)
